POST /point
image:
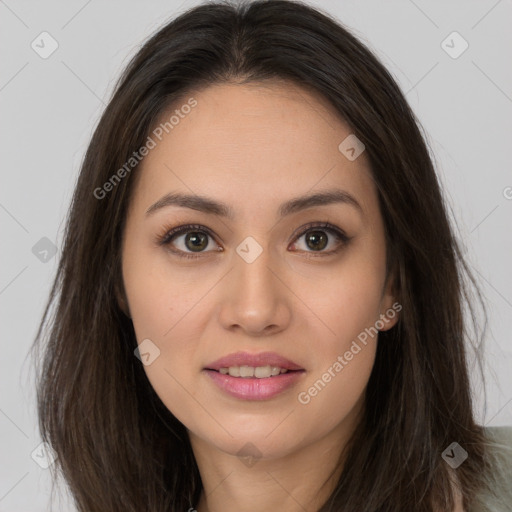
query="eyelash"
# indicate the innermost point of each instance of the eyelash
(170, 233)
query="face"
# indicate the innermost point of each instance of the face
(258, 278)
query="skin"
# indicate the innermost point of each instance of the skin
(254, 147)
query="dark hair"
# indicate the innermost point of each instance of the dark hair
(118, 447)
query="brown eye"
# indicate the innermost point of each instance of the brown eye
(193, 241)
(317, 240)
(196, 241)
(184, 241)
(319, 236)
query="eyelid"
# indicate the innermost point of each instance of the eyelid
(326, 226)
(322, 226)
(169, 232)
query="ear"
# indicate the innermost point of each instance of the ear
(390, 303)
(121, 298)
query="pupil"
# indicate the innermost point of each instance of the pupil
(318, 240)
(198, 240)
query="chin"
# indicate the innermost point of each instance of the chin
(256, 447)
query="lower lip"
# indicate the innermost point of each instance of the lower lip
(252, 388)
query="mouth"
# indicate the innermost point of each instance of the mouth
(245, 364)
(254, 376)
(258, 372)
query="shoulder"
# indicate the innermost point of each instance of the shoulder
(500, 434)
(499, 452)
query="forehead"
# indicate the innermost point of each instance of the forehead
(253, 144)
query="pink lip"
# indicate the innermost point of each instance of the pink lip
(247, 359)
(252, 388)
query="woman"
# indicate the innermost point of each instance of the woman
(259, 304)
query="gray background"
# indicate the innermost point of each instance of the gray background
(50, 106)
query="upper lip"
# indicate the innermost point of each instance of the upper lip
(254, 360)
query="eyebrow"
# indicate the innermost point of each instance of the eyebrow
(213, 207)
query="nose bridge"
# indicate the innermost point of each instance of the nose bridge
(252, 271)
(255, 299)
(254, 282)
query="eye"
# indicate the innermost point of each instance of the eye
(193, 238)
(319, 236)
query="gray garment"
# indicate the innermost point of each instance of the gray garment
(499, 498)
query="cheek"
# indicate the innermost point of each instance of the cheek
(345, 300)
(166, 308)
(336, 393)
(160, 295)
(348, 305)
(344, 354)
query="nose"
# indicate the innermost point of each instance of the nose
(256, 299)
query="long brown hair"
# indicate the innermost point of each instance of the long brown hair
(118, 447)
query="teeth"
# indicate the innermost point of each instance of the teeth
(244, 371)
(234, 371)
(260, 372)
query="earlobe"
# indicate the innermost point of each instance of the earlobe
(390, 316)
(122, 301)
(391, 305)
